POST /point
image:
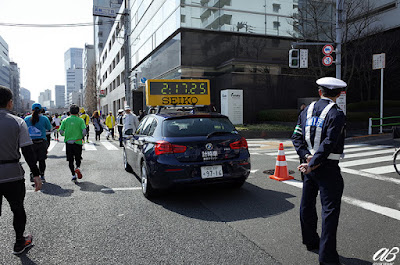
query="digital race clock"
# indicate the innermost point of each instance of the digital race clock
(164, 92)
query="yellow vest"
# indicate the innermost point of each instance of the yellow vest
(110, 121)
(86, 118)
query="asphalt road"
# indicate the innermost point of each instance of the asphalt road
(104, 219)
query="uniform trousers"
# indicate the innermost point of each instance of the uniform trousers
(14, 192)
(328, 180)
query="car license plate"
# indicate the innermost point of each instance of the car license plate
(211, 172)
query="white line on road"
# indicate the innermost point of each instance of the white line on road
(380, 170)
(389, 212)
(366, 161)
(109, 145)
(52, 144)
(89, 147)
(118, 189)
(370, 175)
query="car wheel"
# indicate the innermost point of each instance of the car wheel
(238, 184)
(147, 189)
(127, 167)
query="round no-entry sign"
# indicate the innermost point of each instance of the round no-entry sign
(327, 49)
(327, 60)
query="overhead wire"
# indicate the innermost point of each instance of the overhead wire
(54, 25)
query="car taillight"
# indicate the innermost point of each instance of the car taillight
(164, 147)
(242, 143)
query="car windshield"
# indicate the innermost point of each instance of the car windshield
(197, 126)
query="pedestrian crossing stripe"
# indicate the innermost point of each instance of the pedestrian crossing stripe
(91, 146)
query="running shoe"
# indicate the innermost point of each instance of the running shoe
(74, 178)
(78, 173)
(20, 246)
(43, 179)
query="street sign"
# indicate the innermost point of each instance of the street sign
(105, 11)
(327, 60)
(102, 93)
(327, 49)
(143, 80)
(341, 101)
(303, 58)
(378, 61)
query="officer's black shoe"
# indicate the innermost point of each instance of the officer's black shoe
(312, 247)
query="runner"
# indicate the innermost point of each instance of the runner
(56, 124)
(73, 129)
(12, 183)
(86, 119)
(37, 126)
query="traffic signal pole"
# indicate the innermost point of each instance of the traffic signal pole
(338, 59)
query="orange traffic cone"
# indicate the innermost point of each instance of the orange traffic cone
(281, 170)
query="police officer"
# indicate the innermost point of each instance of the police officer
(13, 136)
(319, 139)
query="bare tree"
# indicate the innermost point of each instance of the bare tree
(91, 91)
(315, 21)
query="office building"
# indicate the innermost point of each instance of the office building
(89, 69)
(112, 70)
(59, 96)
(14, 85)
(102, 24)
(4, 64)
(26, 102)
(74, 72)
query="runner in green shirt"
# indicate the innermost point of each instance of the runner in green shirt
(73, 129)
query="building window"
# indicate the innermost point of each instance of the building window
(276, 7)
(277, 24)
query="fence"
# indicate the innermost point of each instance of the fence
(370, 126)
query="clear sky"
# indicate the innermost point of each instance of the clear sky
(39, 51)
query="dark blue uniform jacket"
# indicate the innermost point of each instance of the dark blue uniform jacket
(333, 133)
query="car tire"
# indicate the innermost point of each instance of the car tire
(127, 167)
(238, 184)
(147, 189)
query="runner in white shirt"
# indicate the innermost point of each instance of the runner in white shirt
(56, 124)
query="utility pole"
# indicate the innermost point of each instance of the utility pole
(127, 32)
(339, 22)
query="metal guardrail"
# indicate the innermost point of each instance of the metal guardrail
(370, 126)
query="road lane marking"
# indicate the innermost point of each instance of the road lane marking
(370, 175)
(51, 146)
(119, 189)
(109, 145)
(89, 147)
(366, 161)
(383, 210)
(389, 212)
(380, 170)
(371, 153)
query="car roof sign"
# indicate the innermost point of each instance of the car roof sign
(177, 92)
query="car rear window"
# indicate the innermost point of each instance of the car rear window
(196, 126)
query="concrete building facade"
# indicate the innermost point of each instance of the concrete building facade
(89, 67)
(59, 96)
(74, 72)
(15, 85)
(4, 64)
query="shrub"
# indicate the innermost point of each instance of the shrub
(284, 115)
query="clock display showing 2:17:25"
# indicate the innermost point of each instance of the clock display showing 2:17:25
(192, 88)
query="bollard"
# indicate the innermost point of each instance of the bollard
(370, 126)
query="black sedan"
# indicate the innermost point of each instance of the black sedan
(186, 148)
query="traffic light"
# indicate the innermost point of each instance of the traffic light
(294, 57)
